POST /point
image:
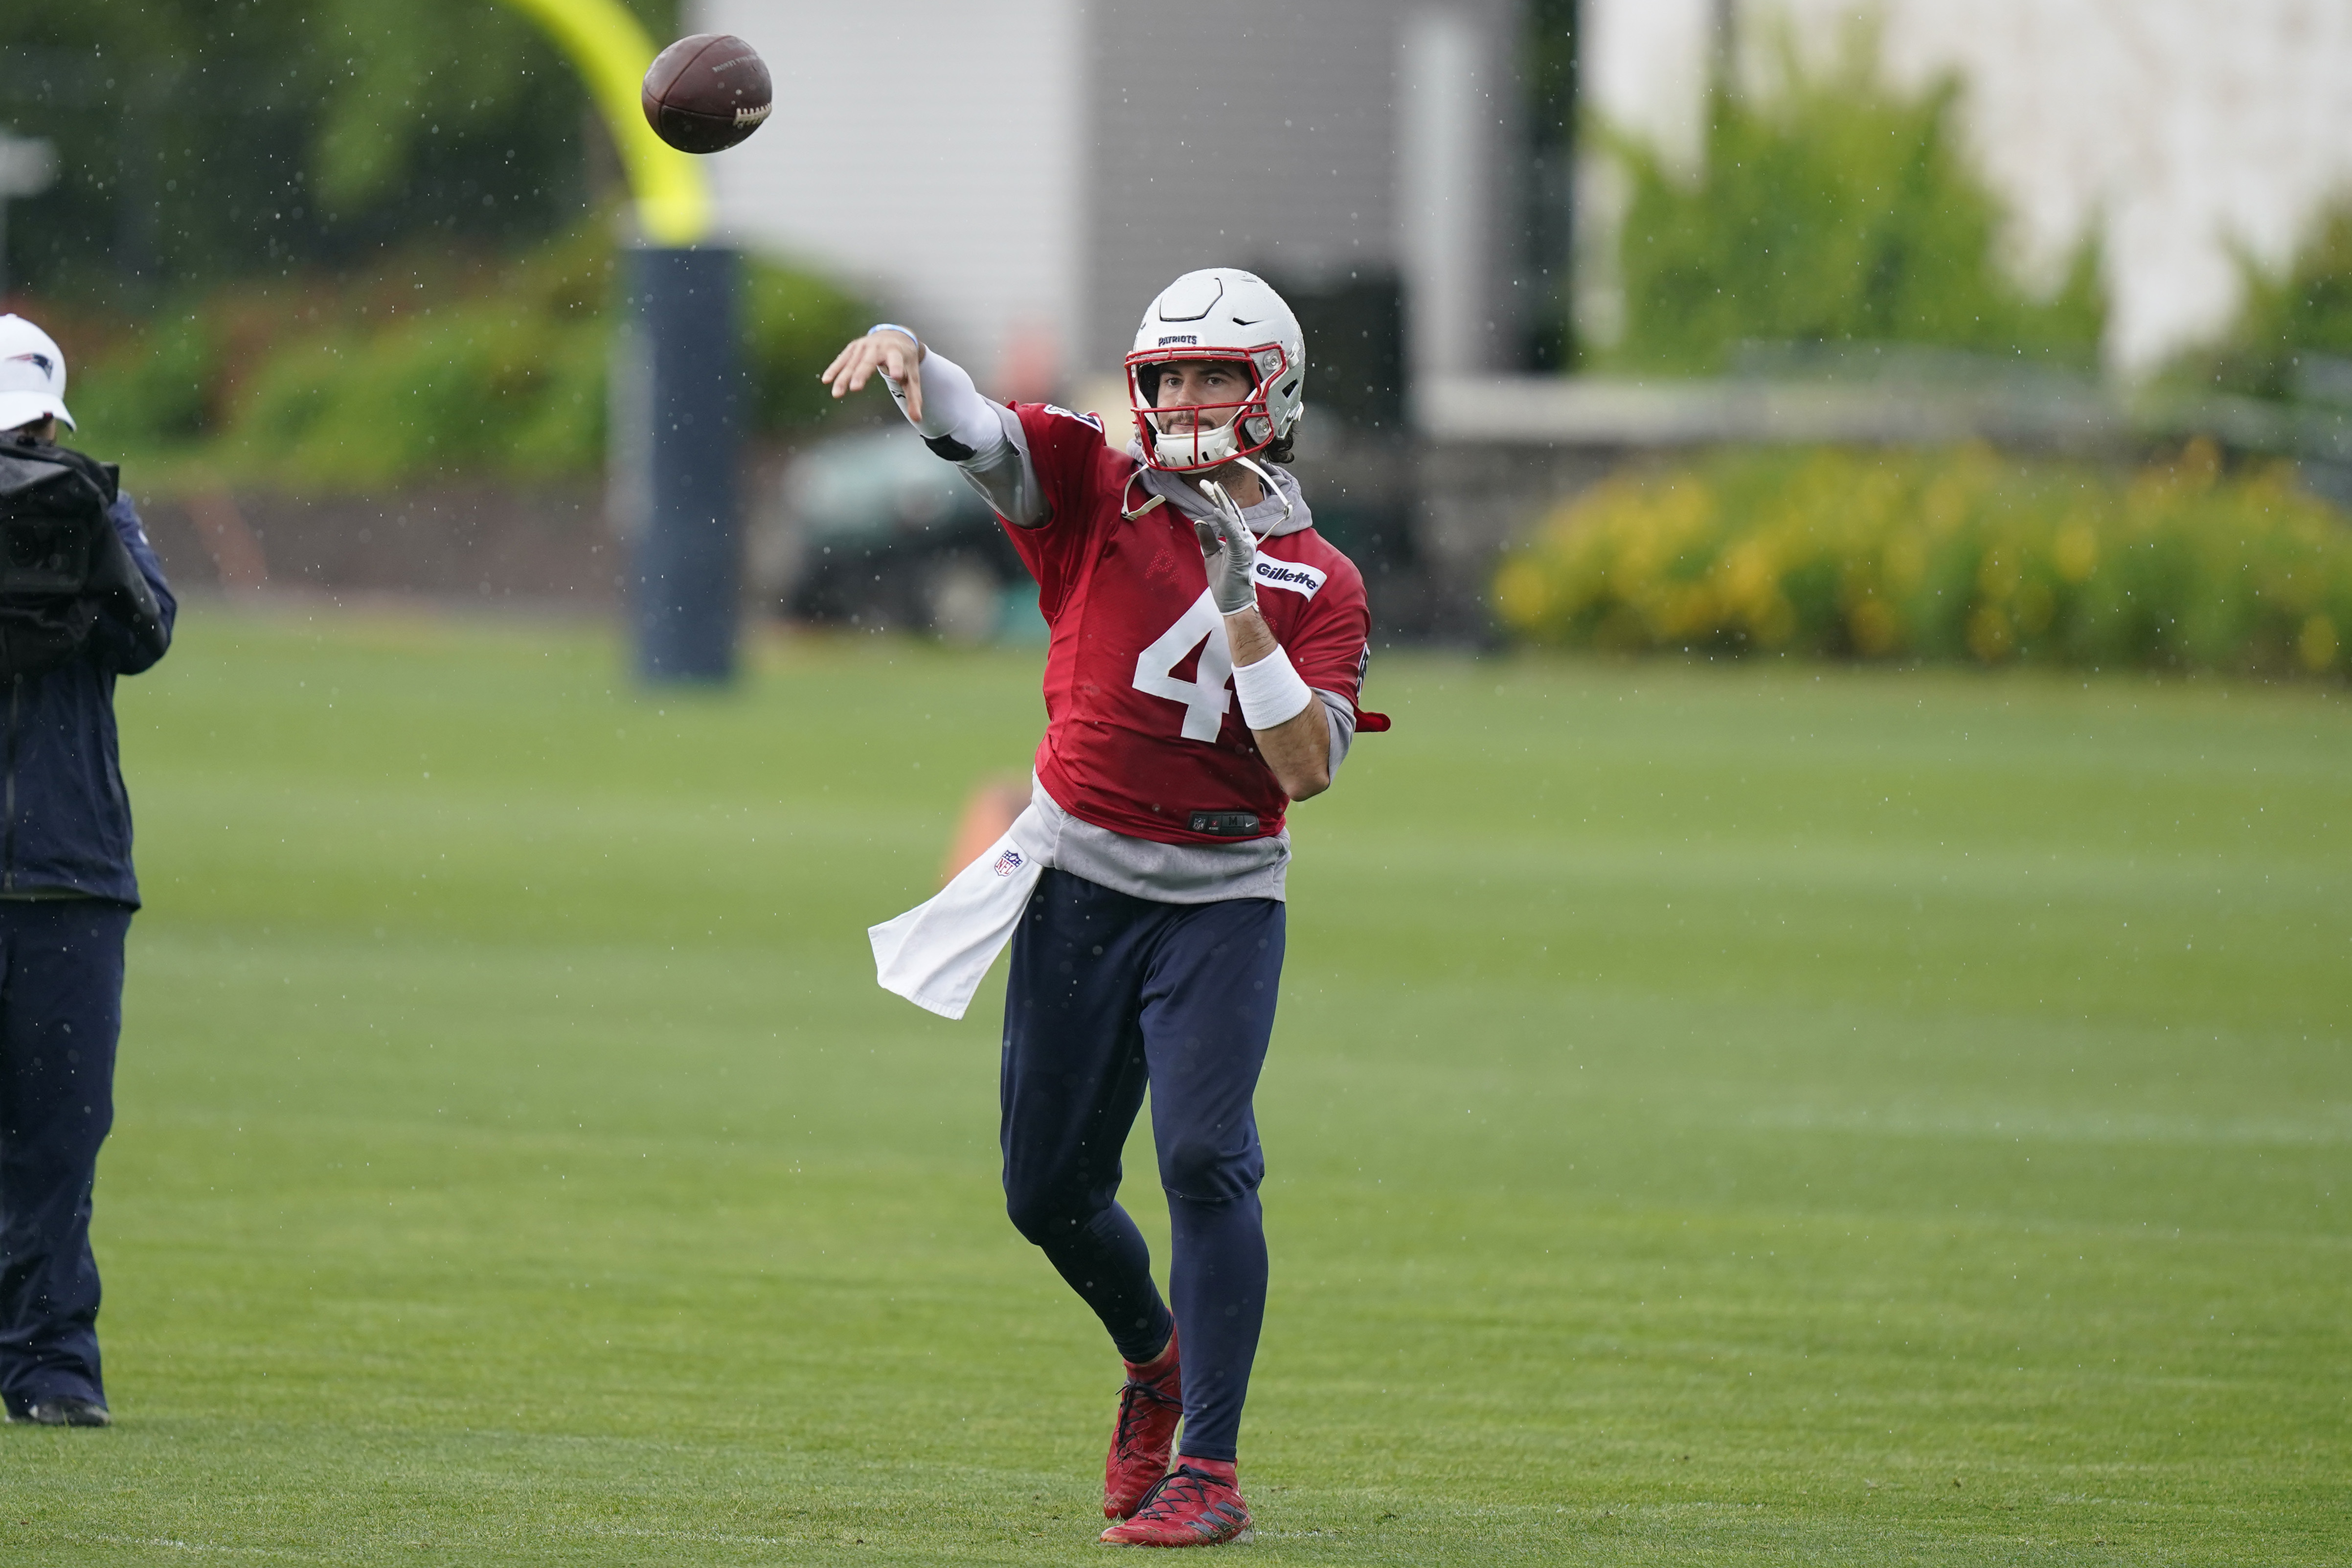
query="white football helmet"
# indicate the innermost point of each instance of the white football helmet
(1218, 313)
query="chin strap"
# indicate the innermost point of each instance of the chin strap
(1139, 511)
(1276, 490)
(1263, 478)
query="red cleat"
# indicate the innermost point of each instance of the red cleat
(1198, 1503)
(1149, 1408)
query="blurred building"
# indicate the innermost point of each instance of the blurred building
(1021, 175)
(1021, 178)
(1018, 178)
(2180, 130)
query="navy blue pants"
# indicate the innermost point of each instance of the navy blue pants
(1110, 995)
(60, 1014)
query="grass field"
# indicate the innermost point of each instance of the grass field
(1758, 1116)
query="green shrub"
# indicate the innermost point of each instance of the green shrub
(1834, 209)
(502, 373)
(2305, 307)
(157, 387)
(1948, 555)
(794, 324)
(428, 369)
(485, 389)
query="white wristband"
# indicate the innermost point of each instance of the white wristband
(1271, 692)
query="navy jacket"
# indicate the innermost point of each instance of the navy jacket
(67, 822)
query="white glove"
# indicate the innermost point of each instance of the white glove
(1230, 550)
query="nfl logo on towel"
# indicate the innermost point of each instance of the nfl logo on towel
(1008, 862)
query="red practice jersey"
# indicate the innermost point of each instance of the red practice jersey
(1143, 733)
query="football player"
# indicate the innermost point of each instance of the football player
(1207, 650)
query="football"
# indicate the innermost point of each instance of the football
(706, 93)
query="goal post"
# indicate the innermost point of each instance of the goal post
(675, 422)
(611, 52)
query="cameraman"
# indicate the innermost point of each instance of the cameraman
(67, 890)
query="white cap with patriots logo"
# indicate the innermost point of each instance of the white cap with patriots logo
(32, 375)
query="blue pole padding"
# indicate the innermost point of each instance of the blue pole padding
(689, 549)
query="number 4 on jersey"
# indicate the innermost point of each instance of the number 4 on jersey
(1204, 697)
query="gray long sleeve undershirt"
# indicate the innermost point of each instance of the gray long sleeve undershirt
(979, 436)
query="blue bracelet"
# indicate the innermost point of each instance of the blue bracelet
(894, 327)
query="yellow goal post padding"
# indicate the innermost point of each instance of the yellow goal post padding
(610, 52)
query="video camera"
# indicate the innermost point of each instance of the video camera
(61, 561)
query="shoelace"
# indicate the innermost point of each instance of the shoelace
(1181, 1485)
(1131, 1406)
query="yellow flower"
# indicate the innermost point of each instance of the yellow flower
(2076, 554)
(2317, 644)
(1523, 592)
(2035, 607)
(1751, 577)
(1874, 627)
(1998, 573)
(1906, 563)
(1989, 637)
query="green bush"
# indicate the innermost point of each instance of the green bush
(1834, 209)
(2304, 308)
(489, 389)
(157, 387)
(507, 380)
(424, 371)
(794, 324)
(1948, 555)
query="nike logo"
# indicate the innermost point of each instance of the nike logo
(1239, 321)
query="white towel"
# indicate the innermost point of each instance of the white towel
(937, 954)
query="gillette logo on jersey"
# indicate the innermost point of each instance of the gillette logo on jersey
(1143, 734)
(1290, 574)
